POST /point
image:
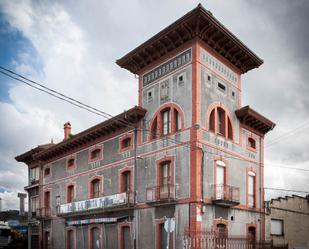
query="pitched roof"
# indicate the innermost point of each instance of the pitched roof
(253, 119)
(197, 23)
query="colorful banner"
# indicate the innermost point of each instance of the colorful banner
(91, 221)
(100, 202)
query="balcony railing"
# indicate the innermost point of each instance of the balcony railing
(225, 195)
(44, 212)
(125, 199)
(161, 194)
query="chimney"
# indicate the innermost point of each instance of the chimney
(67, 130)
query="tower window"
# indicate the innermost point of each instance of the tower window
(221, 87)
(251, 143)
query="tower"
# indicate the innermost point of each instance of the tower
(190, 83)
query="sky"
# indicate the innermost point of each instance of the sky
(72, 46)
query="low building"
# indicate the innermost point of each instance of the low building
(189, 151)
(287, 221)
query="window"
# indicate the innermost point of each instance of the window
(251, 189)
(165, 177)
(71, 163)
(124, 234)
(177, 121)
(166, 122)
(95, 188)
(220, 123)
(34, 204)
(221, 87)
(251, 143)
(125, 181)
(96, 153)
(220, 180)
(154, 129)
(47, 171)
(47, 203)
(180, 80)
(34, 174)
(125, 143)
(149, 96)
(276, 227)
(70, 194)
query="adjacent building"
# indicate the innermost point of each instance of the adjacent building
(287, 221)
(188, 151)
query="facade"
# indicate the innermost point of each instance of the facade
(287, 221)
(188, 151)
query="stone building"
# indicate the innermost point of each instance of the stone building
(188, 151)
(287, 221)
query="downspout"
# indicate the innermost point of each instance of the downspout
(202, 175)
(260, 190)
(134, 187)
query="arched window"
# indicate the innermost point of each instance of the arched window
(167, 121)
(220, 123)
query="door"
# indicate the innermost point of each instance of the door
(95, 238)
(220, 182)
(126, 237)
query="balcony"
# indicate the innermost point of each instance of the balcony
(44, 212)
(225, 195)
(160, 195)
(107, 203)
(32, 184)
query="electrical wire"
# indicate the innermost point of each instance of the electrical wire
(106, 115)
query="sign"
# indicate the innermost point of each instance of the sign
(91, 221)
(100, 202)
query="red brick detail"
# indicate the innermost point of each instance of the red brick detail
(253, 170)
(159, 224)
(120, 233)
(71, 184)
(67, 231)
(90, 187)
(215, 106)
(248, 226)
(159, 163)
(248, 145)
(71, 162)
(121, 178)
(122, 139)
(90, 231)
(91, 158)
(157, 117)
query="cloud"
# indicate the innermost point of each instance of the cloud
(73, 51)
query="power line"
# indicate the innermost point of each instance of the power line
(106, 115)
(61, 95)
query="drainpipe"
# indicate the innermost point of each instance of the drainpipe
(134, 186)
(261, 201)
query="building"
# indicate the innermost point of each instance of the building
(287, 221)
(188, 151)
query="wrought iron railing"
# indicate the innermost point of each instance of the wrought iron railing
(222, 192)
(161, 193)
(43, 212)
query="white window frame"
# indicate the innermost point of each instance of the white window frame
(277, 227)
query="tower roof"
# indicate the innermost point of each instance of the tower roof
(197, 23)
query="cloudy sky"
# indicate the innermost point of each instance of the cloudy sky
(71, 46)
